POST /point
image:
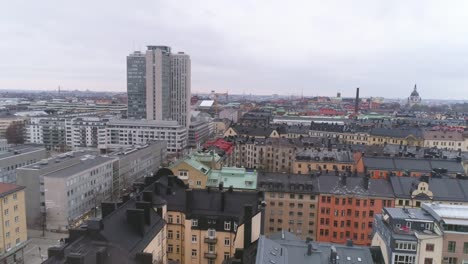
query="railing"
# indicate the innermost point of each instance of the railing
(211, 240)
(210, 255)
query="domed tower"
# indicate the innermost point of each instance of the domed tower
(414, 98)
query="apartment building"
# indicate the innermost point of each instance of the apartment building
(412, 192)
(207, 226)
(135, 163)
(347, 206)
(18, 156)
(270, 154)
(325, 159)
(408, 235)
(453, 220)
(13, 223)
(285, 248)
(191, 171)
(198, 133)
(50, 131)
(83, 132)
(251, 131)
(452, 140)
(292, 203)
(396, 136)
(123, 133)
(63, 191)
(383, 167)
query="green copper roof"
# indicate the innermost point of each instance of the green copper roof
(238, 178)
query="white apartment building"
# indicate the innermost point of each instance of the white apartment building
(83, 132)
(64, 190)
(125, 132)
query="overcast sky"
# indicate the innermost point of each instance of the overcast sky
(260, 47)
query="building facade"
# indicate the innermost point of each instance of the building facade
(124, 133)
(136, 85)
(18, 156)
(13, 223)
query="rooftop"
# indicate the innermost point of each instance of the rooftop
(21, 149)
(8, 188)
(238, 178)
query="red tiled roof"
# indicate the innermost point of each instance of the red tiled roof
(7, 188)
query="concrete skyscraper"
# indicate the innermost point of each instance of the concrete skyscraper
(167, 84)
(180, 92)
(136, 85)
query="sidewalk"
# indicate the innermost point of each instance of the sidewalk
(35, 251)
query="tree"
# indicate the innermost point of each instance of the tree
(15, 133)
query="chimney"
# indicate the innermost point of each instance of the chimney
(148, 196)
(223, 197)
(365, 182)
(230, 189)
(107, 208)
(146, 206)
(95, 224)
(343, 180)
(75, 258)
(333, 255)
(136, 219)
(356, 106)
(144, 258)
(247, 225)
(188, 200)
(221, 184)
(101, 255)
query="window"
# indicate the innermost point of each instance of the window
(226, 255)
(170, 234)
(194, 253)
(465, 248)
(7, 234)
(430, 247)
(194, 222)
(6, 212)
(5, 200)
(15, 208)
(404, 259)
(451, 246)
(16, 219)
(183, 173)
(7, 223)
(428, 261)
(211, 248)
(194, 239)
(211, 233)
(451, 260)
(227, 225)
(198, 183)
(170, 219)
(15, 196)
(227, 241)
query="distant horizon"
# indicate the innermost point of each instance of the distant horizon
(236, 94)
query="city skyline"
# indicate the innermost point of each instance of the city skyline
(315, 48)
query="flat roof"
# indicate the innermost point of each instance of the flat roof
(86, 162)
(21, 149)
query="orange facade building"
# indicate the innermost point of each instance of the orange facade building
(347, 206)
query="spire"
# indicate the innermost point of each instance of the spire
(415, 87)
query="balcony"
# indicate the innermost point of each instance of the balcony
(211, 240)
(210, 255)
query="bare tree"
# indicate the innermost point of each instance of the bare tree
(15, 133)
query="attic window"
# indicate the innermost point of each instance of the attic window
(203, 170)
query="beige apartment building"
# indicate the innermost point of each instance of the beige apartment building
(292, 202)
(207, 226)
(271, 154)
(13, 223)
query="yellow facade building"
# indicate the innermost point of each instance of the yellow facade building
(13, 222)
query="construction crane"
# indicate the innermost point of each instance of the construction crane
(216, 98)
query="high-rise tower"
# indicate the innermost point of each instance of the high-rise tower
(163, 81)
(136, 85)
